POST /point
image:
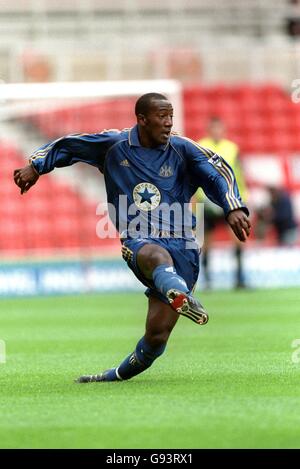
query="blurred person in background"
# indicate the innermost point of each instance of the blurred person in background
(292, 21)
(213, 216)
(280, 215)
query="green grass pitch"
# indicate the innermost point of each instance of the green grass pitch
(229, 384)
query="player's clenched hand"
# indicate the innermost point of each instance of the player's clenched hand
(25, 177)
(239, 223)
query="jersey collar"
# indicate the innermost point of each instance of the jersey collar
(133, 139)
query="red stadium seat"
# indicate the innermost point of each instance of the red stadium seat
(50, 216)
(260, 118)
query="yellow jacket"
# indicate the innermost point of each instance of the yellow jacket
(230, 152)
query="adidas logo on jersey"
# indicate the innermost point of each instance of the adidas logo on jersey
(125, 163)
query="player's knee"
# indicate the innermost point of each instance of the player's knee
(151, 257)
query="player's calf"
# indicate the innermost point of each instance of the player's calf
(137, 362)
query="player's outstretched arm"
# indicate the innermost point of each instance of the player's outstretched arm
(65, 151)
(26, 177)
(239, 223)
(217, 179)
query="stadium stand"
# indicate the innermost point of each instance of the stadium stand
(50, 217)
(110, 114)
(270, 121)
(260, 118)
(81, 30)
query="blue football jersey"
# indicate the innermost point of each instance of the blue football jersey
(143, 183)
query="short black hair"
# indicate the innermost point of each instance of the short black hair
(143, 103)
(216, 119)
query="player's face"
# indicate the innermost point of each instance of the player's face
(158, 122)
(217, 130)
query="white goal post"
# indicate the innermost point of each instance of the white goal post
(25, 99)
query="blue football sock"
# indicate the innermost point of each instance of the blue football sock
(138, 361)
(165, 278)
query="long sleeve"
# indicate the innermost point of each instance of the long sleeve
(65, 151)
(211, 172)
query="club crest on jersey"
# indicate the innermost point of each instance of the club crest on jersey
(216, 160)
(146, 196)
(166, 171)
